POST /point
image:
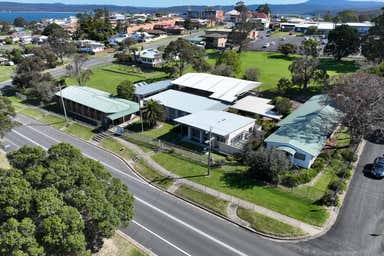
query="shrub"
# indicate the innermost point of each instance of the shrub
(349, 155)
(251, 74)
(337, 185)
(282, 105)
(295, 178)
(344, 173)
(329, 199)
(284, 85)
(268, 125)
(319, 164)
(325, 155)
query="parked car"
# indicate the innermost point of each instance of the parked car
(266, 45)
(376, 169)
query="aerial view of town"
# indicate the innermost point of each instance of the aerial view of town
(209, 128)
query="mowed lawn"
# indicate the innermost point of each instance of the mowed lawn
(107, 76)
(272, 66)
(6, 73)
(230, 180)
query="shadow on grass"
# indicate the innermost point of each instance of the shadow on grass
(342, 66)
(241, 180)
(283, 57)
(295, 93)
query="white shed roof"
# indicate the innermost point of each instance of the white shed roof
(257, 105)
(222, 87)
(222, 123)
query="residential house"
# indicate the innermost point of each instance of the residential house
(90, 46)
(256, 105)
(151, 57)
(145, 90)
(304, 133)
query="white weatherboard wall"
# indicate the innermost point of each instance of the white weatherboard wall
(309, 159)
(247, 128)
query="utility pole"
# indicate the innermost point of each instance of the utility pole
(141, 113)
(209, 151)
(62, 102)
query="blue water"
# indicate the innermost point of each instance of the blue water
(33, 16)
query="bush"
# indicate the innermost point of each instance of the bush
(319, 164)
(251, 74)
(344, 173)
(295, 178)
(284, 85)
(268, 125)
(325, 155)
(349, 155)
(282, 105)
(329, 199)
(338, 185)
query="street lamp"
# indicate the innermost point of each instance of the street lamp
(59, 83)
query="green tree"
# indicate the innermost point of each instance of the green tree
(48, 30)
(287, 48)
(347, 16)
(180, 52)
(373, 43)
(264, 8)
(378, 70)
(7, 112)
(59, 41)
(283, 105)
(19, 238)
(312, 30)
(19, 22)
(46, 54)
(240, 32)
(230, 58)
(343, 41)
(303, 71)
(126, 90)
(78, 71)
(28, 72)
(284, 85)
(266, 164)
(26, 157)
(128, 43)
(309, 48)
(153, 112)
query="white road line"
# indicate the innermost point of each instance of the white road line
(163, 212)
(161, 238)
(25, 137)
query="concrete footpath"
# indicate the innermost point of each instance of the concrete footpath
(309, 229)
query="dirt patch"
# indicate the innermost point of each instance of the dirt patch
(4, 164)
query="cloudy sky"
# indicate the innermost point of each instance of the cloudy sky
(162, 3)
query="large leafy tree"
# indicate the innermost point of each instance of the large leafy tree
(59, 41)
(264, 8)
(304, 71)
(266, 164)
(287, 48)
(153, 112)
(343, 41)
(77, 69)
(230, 58)
(309, 48)
(20, 22)
(180, 52)
(48, 30)
(126, 90)
(240, 32)
(59, 203)
(373, 43)
(363, 106)
(347, 16)
(6, 113)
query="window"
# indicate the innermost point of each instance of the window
(299, 156)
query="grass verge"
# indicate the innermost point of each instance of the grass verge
(81, 131)
(231, 180)
(4, 164)
(268, 225)
(206, 200)
(117, 245)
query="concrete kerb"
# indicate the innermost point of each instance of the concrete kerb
(135, 243)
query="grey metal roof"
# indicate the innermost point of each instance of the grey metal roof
(187, 102)
(222, 123)
(148, 89)
(99, 100)
(309, 126)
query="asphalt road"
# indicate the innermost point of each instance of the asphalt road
(169, 226)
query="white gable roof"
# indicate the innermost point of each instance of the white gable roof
(222, 88)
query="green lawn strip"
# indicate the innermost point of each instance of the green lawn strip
(119, 246)
(54, 121)
(211, 202)
(268, 225)
(230, 180)
(32, 112)
(106, 77)
(6, 72)
(143, 168)
(81, 131)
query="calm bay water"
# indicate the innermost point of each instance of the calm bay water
(33, 16)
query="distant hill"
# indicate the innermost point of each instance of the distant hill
(310, 7)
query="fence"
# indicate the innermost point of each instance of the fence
(166, 146)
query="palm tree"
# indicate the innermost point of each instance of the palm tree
(153, 112)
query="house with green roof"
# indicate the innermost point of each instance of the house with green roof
(97, 106)
(304, 133)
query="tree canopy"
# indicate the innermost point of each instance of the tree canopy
(126, 90)
(20, 22)
(230, 58)
(264, 8)
(373, 43)
(6, 113)
(287, 48)
(59, 203)
(48, 30)
(343, 41)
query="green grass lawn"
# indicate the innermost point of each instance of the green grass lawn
(106, 77)
(206, 200)
(6, 72)
(31, 112)
(272, 66)
(140, 166)
(54, 121)
(268, 225)
(81, 131)
(231, 180)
